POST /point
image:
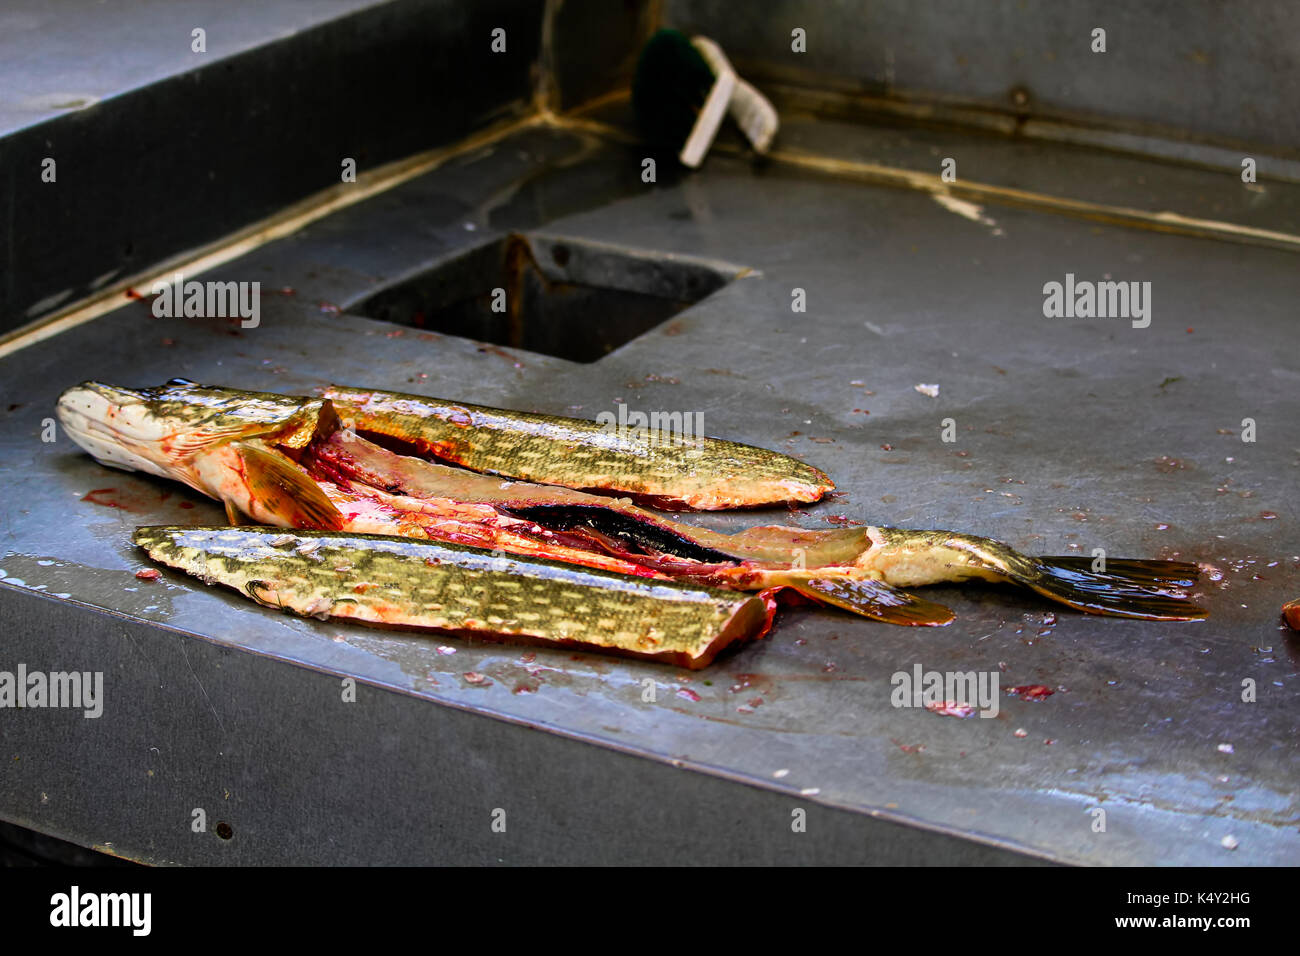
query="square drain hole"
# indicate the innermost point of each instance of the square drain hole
(573, 299)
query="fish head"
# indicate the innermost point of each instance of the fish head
(161, 430)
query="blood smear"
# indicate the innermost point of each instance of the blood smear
(1031, 692)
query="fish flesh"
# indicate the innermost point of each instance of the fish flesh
(399, 582)
(297, 463)
(666, 467)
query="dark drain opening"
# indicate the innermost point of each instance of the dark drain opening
(572, 299)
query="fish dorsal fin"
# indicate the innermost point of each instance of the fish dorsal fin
(277, 486)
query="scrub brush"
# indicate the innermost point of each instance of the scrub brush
(682, 90)
(679, 101)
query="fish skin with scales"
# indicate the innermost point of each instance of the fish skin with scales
(694, 471)
(403, 582)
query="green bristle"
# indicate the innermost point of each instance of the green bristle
(672, 82)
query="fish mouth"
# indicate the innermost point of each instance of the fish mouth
(115, 425)
(75, 399)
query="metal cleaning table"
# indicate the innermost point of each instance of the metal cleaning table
(1071, 435)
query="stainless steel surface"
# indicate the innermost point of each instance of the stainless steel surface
(1194, 69)
(1072, 434)
(158, 148)
(62, 56)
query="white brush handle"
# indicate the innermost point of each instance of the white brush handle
(755, 115)
(710, 119)
(752, 111)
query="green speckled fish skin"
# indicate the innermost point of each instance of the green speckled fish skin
(390, 581)
(696, 471)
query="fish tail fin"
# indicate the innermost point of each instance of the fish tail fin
(1147, 590)
(1141, 573)
(1119, 587)
(874, 599)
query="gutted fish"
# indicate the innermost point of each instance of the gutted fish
(293, 463)
(857, 569)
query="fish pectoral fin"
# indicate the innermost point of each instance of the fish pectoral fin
(277, 486)
(876, 600)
